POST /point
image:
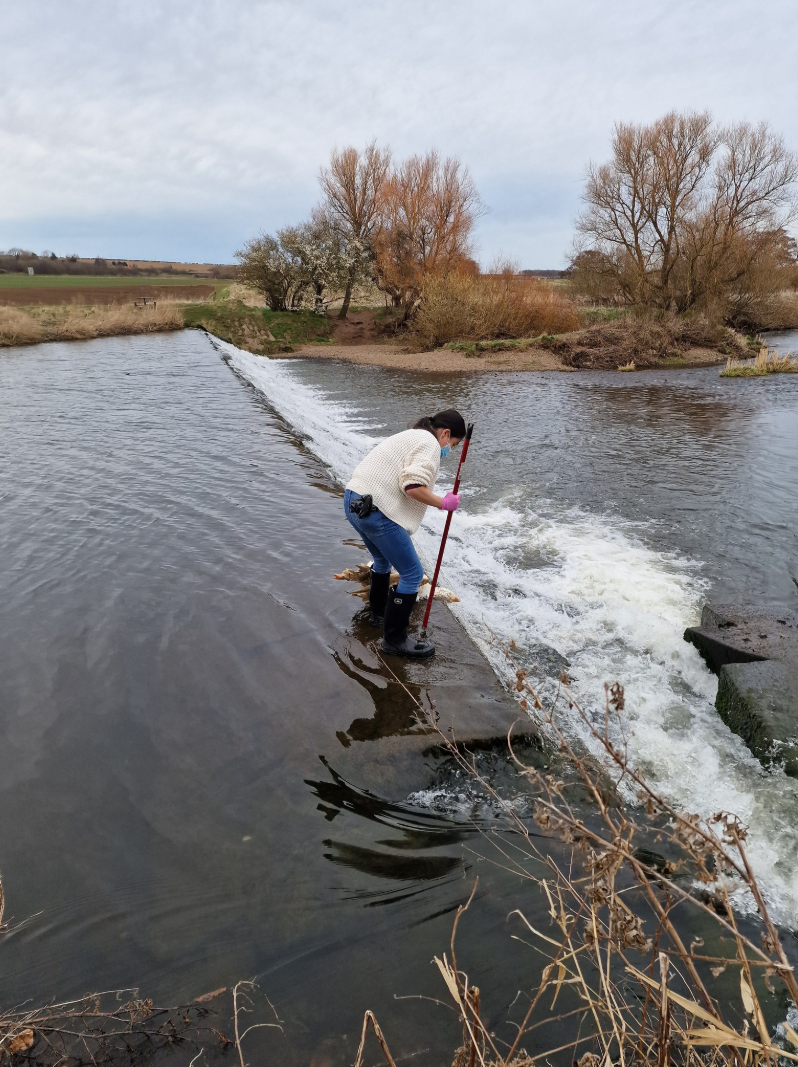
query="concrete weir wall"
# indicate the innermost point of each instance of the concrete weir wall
(754, 652)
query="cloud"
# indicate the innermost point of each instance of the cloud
(176, 129)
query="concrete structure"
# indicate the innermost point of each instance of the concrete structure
(754, 651)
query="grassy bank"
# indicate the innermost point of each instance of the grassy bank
(559, 339)
(70, 322)
(257, 329)
(254, 328)
(764, 364)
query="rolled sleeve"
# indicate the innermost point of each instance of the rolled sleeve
(420, 468)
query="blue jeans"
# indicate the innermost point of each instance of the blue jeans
(390, 545)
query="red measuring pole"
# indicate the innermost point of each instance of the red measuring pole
(434, 583)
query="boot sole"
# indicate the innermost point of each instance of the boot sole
(391, 650)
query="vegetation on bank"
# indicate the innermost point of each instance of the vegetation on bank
(394, 223)
(625, 343)
(658, 341)
(466, 307)
(766, 362)
(686, 219)
(70, 322)
(641, 958)
(256, 329)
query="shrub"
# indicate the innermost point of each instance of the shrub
(464, 307)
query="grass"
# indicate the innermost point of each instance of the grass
(257, 329)
(229, 317)
(69, 322)
(764, 364)
(476, 349)
(84, 281)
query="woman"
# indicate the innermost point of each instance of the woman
(385, 501)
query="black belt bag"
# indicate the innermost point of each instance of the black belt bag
(362, 507)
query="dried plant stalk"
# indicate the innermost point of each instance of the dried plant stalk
(616, 961)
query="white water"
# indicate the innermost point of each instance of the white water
(613, 606)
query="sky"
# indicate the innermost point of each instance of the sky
(176, 130)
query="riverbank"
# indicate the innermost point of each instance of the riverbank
(532, 358)
(77, 322)
(622, 344)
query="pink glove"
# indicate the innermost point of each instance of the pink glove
(451, 502)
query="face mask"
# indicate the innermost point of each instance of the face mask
(445, 451)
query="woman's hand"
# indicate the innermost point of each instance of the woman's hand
(451, 502)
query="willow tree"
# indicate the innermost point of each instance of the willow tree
(427, 210)
(351, 187)
(687, 215)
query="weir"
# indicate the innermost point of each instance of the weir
(541, 557)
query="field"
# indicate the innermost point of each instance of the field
(58, 281)
(54, 289)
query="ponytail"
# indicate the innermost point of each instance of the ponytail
(449, 419)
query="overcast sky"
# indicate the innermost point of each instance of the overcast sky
(175, 129)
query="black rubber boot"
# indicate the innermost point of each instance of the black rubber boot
(378, 595)
(397, 615)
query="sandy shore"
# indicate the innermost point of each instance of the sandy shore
(445, 361)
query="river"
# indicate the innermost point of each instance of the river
(175, 659)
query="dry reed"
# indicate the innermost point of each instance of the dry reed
(73, 322)
(619, 984)
(120, 1026)
(237, 292)
(465, 307)
(766, 362)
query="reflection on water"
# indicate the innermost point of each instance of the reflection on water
(396, 706)
(384, 865)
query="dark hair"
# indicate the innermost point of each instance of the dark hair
(449, 419)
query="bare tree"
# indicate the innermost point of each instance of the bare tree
(683, 213)
(351, 189)
(428, 208)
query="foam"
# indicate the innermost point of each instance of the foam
(592, 588)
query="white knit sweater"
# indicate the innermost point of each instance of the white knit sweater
(412, 457)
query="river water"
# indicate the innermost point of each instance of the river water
(173, 655)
